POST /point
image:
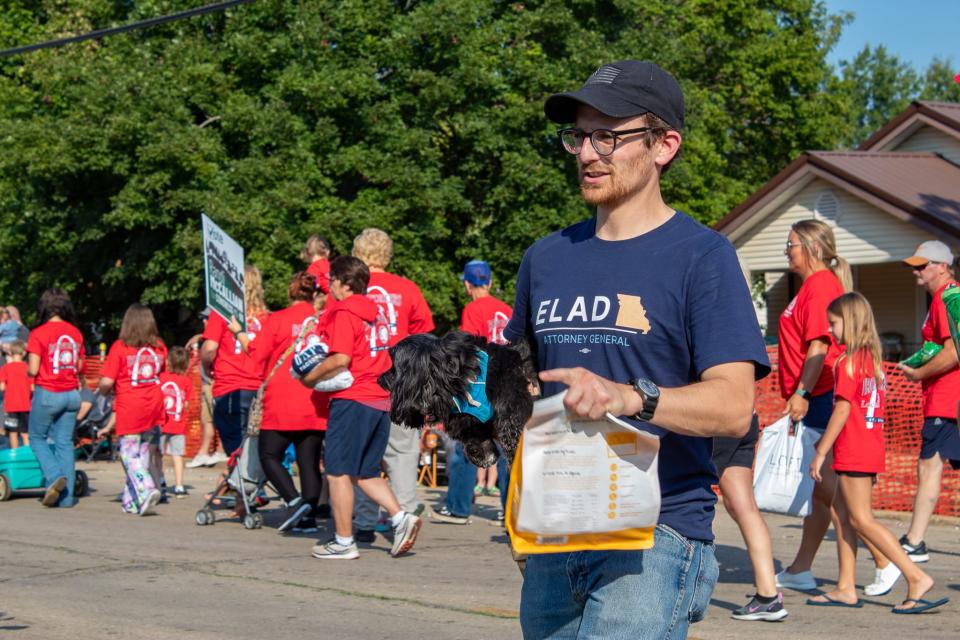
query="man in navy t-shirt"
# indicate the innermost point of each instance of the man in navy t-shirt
(642, 312)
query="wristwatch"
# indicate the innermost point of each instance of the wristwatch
(803, 393)
(651, 396)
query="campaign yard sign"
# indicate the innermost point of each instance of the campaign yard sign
(223, 268)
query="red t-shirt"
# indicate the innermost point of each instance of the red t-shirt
(16, 397)
(803, 321)
(402, 309)
(320, 269)
(60, 347)
(136, 375)
(486, 317)
(347, 329)
(177, 390)
(860, 446)
(232, 369)
(287, 404)
(940, 392)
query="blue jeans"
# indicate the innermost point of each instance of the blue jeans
(230, 413)
(53, 415)
(461, 476)
(636, 595)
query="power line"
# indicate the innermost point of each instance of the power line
(133, 26)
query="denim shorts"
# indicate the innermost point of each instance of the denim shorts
(356, 440)
(230, 414)
(941, 435)
(637, 595)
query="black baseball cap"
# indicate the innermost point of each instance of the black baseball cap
(623, 89)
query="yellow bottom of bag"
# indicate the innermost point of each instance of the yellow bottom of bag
(526, 543)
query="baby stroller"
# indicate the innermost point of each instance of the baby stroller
(87, 445)
(245, 476)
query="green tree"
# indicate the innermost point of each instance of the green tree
(280, 119)
(939, 83)
(878, 86)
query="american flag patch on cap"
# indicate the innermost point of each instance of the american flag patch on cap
(604, 75)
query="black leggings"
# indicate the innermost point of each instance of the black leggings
(308, 444)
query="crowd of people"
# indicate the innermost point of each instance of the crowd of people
(687, 373)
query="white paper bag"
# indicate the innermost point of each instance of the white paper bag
(781, 476)
(580, 485)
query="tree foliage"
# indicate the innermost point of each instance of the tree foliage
(283, 118)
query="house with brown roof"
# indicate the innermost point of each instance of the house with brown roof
(899, 188)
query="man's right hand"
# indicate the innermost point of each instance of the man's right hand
(590, 396)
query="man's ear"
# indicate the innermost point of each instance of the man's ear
(667, 148)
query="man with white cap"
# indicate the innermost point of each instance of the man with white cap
(932, 263)
(642, 312)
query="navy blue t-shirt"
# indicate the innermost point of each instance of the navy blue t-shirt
(666, 306)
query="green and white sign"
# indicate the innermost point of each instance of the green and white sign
(223, 267)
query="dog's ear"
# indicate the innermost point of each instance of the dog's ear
(458, 358)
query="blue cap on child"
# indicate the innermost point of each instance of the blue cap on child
(477, 273)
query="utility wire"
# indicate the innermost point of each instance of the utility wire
(133, 26)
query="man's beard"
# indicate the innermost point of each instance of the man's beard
(622, 181)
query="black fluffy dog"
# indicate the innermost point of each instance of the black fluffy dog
(442, 380)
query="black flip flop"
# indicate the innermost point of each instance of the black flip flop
(833, 603)
(921, 605)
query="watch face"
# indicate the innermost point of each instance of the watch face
(649, 389)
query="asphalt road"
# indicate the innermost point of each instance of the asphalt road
(93, 572)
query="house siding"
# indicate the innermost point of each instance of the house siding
(929, 139)
(865, 234)
(892, 291)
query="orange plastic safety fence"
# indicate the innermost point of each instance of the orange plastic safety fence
(897, 486)
(91, 374)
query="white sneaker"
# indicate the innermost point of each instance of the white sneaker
(199, 460)
(333, 550)
(150, 502)
(216, 458)
(883, 580)
(803, 581)
(405, 534)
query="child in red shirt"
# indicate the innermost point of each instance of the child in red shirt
(316, 253)
(133, 367)
(17, 389)
(359, 425)
(855, 433)
(177, 390)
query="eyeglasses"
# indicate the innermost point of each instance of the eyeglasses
(604, 141)
(791, 245)
(921, 267)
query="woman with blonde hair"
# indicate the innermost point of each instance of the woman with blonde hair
(236, 377)
(806, 356)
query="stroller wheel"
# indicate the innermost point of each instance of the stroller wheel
(253, 521)
(205, 517)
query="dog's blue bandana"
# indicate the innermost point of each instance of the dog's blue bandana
(476, 403)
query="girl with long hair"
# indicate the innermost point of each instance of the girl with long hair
(855, 436)
(132, 368)
(55, 358)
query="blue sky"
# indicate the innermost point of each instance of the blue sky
(915, 30)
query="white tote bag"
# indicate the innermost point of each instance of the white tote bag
(582, 484)
(781, 477)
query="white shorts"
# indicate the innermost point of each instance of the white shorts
(173, 445)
